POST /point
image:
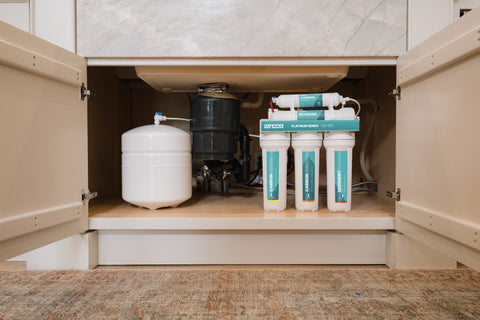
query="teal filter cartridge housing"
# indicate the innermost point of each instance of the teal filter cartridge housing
(307, 157)
(339, 147)
(274, 162)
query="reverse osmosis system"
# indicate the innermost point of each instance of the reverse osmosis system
(154, 155)
(307, 130)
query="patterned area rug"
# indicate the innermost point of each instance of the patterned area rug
(240, 293)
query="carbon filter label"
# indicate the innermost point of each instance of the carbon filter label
(341, 176)
(308, 176)
(310, 100)
(273, 172)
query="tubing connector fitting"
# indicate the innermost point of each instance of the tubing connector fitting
(158, 118)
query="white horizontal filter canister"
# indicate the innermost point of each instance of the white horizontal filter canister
(307, 158)
(278, 115)
(340, 114)
(274, 167)
(309, 100)
(156, 166)
(339, 170)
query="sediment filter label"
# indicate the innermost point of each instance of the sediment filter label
(273, 172)
(341, 176)
(308, 176)
(310, 100)
(311, 115)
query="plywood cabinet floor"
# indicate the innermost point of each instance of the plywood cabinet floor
(241, 210)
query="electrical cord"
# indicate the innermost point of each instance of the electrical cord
(254, 177)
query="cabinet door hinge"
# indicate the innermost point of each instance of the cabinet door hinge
(85, 93)
(395, 194)
(88, 195)
(396, 93)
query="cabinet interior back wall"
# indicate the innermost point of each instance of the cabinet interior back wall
(121, 103)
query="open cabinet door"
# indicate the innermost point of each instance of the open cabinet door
(438, 141)
(43, 143)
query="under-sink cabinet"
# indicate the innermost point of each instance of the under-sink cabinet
(60, 144)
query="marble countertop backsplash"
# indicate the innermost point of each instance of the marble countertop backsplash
(241, 28)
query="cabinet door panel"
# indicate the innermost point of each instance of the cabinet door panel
(43, 143)
(438, 147)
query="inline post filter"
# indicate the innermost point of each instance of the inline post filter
(311, 100)
(339, 147)
(274, 162)
(307, 163)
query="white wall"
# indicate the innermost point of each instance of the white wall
(55, 22)
(427, 17)
(15, 13)
(52, 20)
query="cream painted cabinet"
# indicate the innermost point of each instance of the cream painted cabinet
(43, 143)
(44, 149)
(437, 141)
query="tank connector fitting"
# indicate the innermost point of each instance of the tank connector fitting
(158, 118)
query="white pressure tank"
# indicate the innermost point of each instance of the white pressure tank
(156, 166)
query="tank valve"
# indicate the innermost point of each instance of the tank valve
(159, 117)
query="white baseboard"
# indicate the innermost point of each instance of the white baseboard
(148, 247)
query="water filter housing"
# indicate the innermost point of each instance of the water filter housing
(337, 126)
(274, 167)
(339, 147)
(307, 168)
(156, 166)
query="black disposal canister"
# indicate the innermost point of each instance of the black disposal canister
(215, 122)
